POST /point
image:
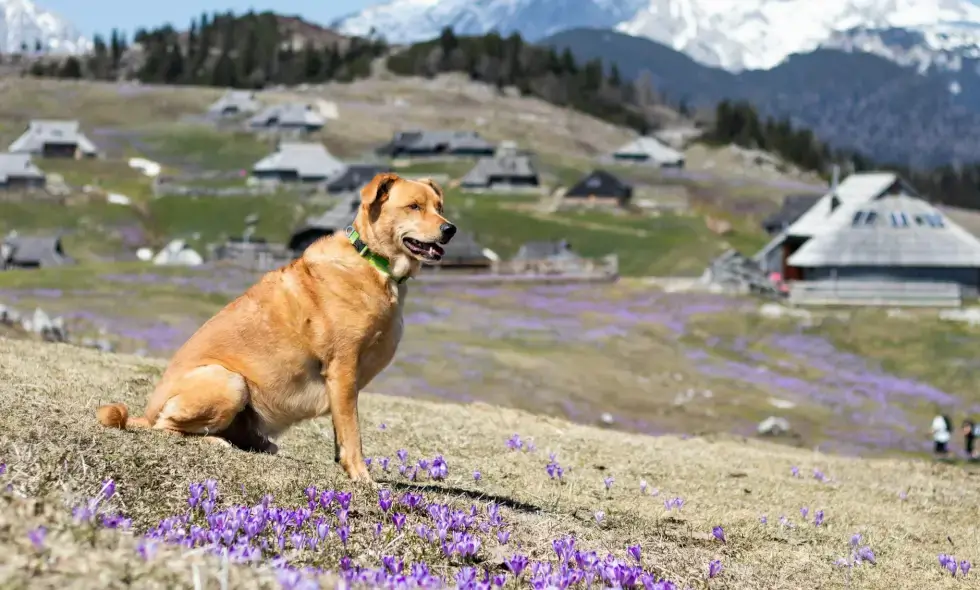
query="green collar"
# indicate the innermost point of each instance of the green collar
(377, 261)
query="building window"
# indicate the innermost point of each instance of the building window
(858, 219)
(870, 217)
(899, 220)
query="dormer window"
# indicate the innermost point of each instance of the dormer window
(864, 218)
(899, 220)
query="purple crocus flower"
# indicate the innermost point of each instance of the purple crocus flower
(795, 471)
(804, 511)
(715, 568)
(402, 455)
(503, 536)
(643, 486)
(399, 520)
(965, 567)
(36, 537)
(634, 551)
(599, 516)
(476, 476)
(516, 563)
(608, 482)
(514, 443)
(343, 533)
(948, 562)
(818, 518)
(108, 489)
(385, 500)
(439, 468)
(763, 519)
(719, 533)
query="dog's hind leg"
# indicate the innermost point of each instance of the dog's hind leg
(205, 402)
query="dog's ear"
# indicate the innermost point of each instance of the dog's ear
(376, 191)
(432, 184)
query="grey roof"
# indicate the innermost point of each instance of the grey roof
(445, 141)
(794, 206)
(307, 160)
(41, 250)
(235, 101)
(41, 132)
(545, 250)
(896, 230)
(601, 183)
(649, 148)
(355, 176)
(288, 114)
(18, 166)
(464, 248)
(856, 188)
(505, 169)
(339, 216)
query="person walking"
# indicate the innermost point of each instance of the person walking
(970, 433)
(941, 429)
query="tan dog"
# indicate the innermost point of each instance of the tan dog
(305, 339)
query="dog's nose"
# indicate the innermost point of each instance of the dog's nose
(448, 231)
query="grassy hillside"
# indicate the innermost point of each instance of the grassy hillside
(789, 518)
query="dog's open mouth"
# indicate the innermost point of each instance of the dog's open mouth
(430, 251)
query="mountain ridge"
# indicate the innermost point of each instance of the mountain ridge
(24, 24)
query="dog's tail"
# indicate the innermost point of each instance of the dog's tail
(117, 416)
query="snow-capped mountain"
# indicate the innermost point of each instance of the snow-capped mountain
(23, 22)
(732, 34)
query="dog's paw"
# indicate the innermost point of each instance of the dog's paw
(360, 475)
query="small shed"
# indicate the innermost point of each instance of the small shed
(289, 116)
(355, 176)
(18, 171)
(298, 162)
(338, 217)
(234, 103)
(649, 150)
(464, 252)
(34, 252)
(506, 171)
(54, 139)
(601, 185)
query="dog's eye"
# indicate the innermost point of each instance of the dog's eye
(415, 207)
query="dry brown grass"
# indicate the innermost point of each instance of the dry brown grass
(56, 455)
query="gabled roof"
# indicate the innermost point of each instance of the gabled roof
(898, 230)
(449, 141)
(503, 169)
(242, 101)
(794, 206)
(40, 250)
(464, 248)
(338, 217)
(289, 114)
(601, 183)
(18, 166)
(651, 148)
(41, 132)
(855, 189)
(308, 160)
(355, 176)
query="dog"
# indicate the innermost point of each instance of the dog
(308, 337)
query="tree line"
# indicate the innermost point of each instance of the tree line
(250, 51)
(253, 51)
(739, 123)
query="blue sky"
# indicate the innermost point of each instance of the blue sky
(99, 16)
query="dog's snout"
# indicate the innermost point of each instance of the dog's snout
(448, 231)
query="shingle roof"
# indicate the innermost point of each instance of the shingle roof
(355, 176)
(794, 206)
(505, 169)
(41, 132)
(339, 216)
(308, 160)
(447, 141)
(651, 148)
(42, 250)
(895, 230)
(18, 166)
(290, 114)
(601, 183)
(241, 101)
(464, 248)
(856, 188)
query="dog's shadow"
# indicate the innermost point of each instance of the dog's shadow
(472, 494)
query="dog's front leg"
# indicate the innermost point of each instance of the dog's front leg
(341, 380)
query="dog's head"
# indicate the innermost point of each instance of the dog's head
(405, 217)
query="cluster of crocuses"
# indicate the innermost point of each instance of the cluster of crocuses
(859, 554)
(436, 468)
(287, 538)
(949, 563)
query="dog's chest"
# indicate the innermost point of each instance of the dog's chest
(380, 343)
